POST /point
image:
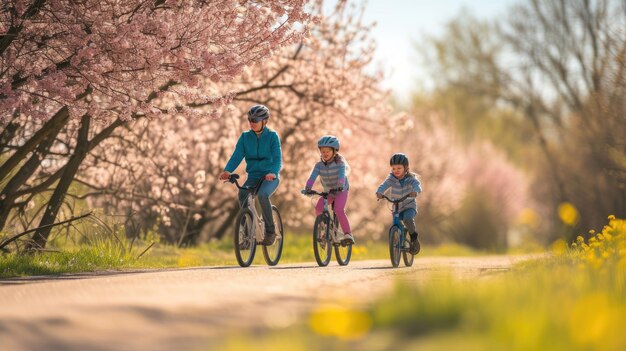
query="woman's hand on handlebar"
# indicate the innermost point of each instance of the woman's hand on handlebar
(224, 176)
(270, 176)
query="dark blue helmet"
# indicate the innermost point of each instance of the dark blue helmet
(399, 159)
(258, 113)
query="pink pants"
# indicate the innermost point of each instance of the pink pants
(340, 199)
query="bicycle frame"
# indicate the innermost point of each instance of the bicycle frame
(396, 219)
(258, 227)
(333, 230)
(327, 236)
(250, 229)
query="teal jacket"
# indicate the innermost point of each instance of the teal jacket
(262, 153)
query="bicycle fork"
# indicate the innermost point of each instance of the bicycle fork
(332, 230)
(403, 242)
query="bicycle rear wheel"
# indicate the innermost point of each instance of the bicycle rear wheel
(321, 240)
(407, 257)
(342, 252)
(244, 240)
(394, 245)
(273, 252)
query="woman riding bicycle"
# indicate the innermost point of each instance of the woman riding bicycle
(260, 147)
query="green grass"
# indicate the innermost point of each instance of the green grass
(572, 300)
(100, 252)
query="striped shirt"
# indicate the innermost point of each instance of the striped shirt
(401, 187)
(332, 175)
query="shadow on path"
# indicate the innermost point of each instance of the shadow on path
(98, 274)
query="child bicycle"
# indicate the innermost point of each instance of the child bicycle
(327, 234)
(397, 238)
(250, 229)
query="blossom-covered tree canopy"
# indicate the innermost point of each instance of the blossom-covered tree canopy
(107, 58)
(64, 64)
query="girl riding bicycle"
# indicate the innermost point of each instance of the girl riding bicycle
(260, 147)
(332, 171)
(403, 182)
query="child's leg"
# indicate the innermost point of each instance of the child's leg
(341, 198)
(408, 218)
(319, 208)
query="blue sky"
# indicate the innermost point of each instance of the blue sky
(401, 23)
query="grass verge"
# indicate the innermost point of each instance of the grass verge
(101, 253)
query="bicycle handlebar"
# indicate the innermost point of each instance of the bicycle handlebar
(395, 201)
(313, 192)
(233, 179)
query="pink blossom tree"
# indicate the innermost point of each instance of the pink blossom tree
(319, 86)
(165, 172)
(89, 67)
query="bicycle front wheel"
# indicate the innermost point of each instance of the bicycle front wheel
(342, 252)
(321, 241)
(273, 252)
(394, 245)
(244, 240)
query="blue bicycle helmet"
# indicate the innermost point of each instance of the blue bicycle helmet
(258, 113)
(328, 141)
(399, 159)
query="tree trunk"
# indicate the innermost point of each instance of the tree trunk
(552, 164)
(8, 133)
(82, 148)
(9, 194)
(228, 222)
(53, 126)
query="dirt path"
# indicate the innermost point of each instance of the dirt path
(181, 309)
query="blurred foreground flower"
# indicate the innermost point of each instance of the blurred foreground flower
(341, 322)
(568, 213)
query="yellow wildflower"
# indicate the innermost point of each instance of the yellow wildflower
(568, 213)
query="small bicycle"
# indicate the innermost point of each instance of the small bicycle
(397, 238)
(327, 234)
(250, 229)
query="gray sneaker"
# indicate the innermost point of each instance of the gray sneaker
(269, 239)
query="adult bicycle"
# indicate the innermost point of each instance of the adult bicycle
(250, 229)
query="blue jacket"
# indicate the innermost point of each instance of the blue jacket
(262, 153)
(401, 187)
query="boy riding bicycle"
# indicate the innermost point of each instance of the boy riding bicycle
(403, 182)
